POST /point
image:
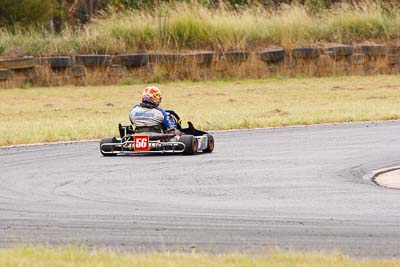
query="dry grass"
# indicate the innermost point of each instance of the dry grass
(77, 256)
(73, 113)
(193, 26)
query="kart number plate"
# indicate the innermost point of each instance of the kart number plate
(141, 143)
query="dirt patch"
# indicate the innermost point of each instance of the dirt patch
(389, 179)
(391, 86)
(377, 97)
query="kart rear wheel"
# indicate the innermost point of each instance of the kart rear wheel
(190, 144)
(108, 148)
(210, 144)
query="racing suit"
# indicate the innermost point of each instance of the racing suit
(147, 117)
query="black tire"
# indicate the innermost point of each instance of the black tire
(305, 52)
(132, 60)
(92, 61)
(59, 62)
(190, 144)
(78, 71)
(393, 60)
(273, 56)
(204, 58)
(116, 70)
(373, 50)
(210, 144)
(337, 51)
(108, 148)
(236, 56)
(6, 74)
(394, 50)
(164, 58)
(357, 59)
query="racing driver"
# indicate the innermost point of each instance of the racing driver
(147, 116)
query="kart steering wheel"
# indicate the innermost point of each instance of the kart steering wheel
(175, 117)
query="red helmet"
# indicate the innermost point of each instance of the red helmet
(152, 95)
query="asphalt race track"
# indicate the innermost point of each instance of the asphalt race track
(298, 188)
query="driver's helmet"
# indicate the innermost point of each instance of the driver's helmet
(152, 95)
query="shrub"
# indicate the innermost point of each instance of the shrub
(26, 12)
(191, 26)
(314, 7)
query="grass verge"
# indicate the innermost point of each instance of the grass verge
(76, 256)
(191, 25)
(74, 113)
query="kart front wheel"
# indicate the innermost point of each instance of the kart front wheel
(106, 150)
(190, 144)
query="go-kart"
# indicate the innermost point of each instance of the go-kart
(133, 140)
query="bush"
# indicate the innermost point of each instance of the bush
(314, 7)
(26, 12)
(193, 26)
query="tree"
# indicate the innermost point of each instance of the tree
(26, 12)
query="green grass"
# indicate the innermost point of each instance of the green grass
(73, 113)
(77, 256)
(192, 26)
